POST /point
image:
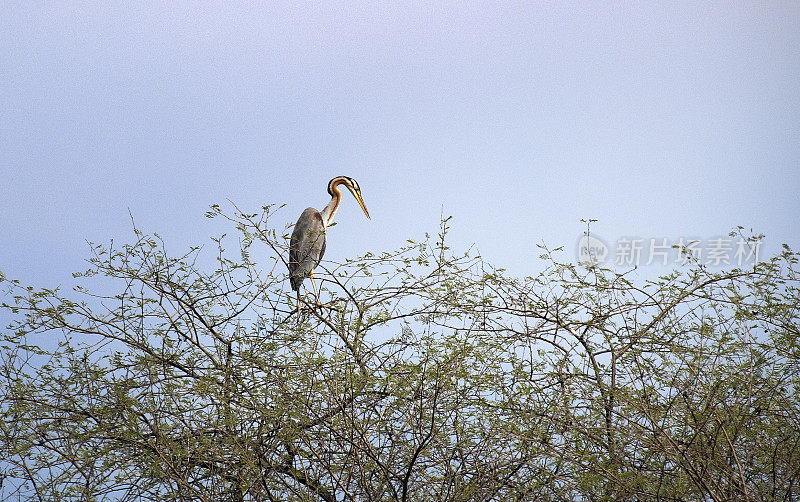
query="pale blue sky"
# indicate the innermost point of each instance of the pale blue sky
(659, 119)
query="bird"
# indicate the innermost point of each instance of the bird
(307, 245)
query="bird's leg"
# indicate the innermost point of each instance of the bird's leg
(314, 288)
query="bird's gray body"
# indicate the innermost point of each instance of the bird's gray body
(307, 246)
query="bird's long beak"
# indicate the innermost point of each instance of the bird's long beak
(357, 195)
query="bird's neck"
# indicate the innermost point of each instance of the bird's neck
(330, 209)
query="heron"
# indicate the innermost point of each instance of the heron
(307, 245)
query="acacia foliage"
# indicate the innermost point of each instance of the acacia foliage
(423, 375)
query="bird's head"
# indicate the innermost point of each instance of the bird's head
(351, 185)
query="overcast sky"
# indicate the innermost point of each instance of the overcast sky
(659, 119)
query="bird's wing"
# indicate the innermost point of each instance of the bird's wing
(306, 246)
